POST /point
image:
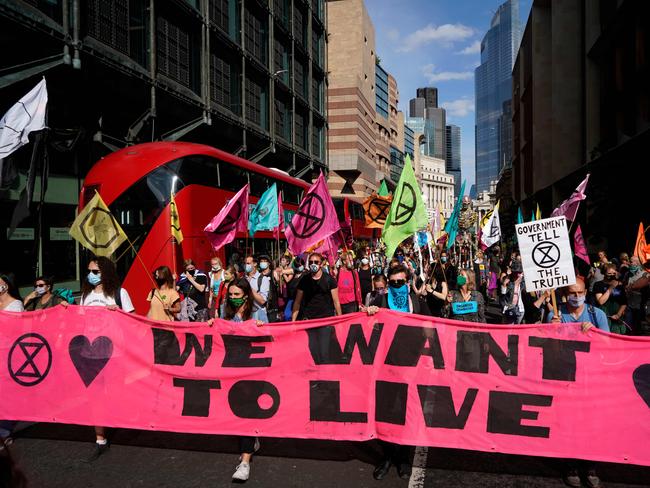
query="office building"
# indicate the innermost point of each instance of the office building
(453, 161)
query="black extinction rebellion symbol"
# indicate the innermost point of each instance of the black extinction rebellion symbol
(378, 210)
(99, 228)
(546, 254)
(30, 359)
(312, 211)
(405, 205)
(230, 220)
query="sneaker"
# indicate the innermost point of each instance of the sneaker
(256, 446)
(242, 472)
(592, 480)
(99, 450)
(572, 479)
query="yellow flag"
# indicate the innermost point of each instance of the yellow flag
(96, 229)
(175, 221)
(538, 213)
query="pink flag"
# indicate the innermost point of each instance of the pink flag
(569, 207)
(315, 219)
(579, 247)
(280, 227)
(232, 218)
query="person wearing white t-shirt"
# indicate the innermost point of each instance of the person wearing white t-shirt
(101, 288)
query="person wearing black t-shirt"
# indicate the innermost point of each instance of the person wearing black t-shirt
(192, 284)
(365, 277)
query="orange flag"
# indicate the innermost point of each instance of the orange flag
(375, 209)
(641, 249)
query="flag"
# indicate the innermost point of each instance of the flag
(231, 219)
(407, 211)
(96, 229)
(491, 231)
(383, 189)
(538, 213)
(641, 249)
(280, 227)
(532, 216)
(375, 210)
(579, 248)
(174, 220)
(451, 227)
(569, 207)
(520, 216)
(265, 214)
(315, 219)
(27, 115)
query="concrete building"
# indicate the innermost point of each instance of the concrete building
(437, 186)
(245, 77)
(581, 105)
(430, 96)
(416, 107)
(366, 130)
(430, 121)
(492, 88)
(453, 162)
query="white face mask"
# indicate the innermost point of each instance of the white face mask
(216, 267)
(40, 290)
(364, 261)
(3, 288)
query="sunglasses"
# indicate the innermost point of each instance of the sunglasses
(93, 271)
(397, 282)
(314, 262)
(36, 285)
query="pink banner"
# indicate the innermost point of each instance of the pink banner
(315, 219)
(231, 219)
(544, 390)
(569, 207)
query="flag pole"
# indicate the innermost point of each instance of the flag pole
(554, 302)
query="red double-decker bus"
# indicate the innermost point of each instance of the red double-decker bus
(136, 184)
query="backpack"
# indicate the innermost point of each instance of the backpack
(272, 309)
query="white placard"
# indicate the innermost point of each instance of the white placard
(546, 254)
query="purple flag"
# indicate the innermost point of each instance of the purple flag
(315, 219)
(569, 207)
(579, 247)
(232, 218)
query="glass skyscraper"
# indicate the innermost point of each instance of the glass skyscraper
(453, 155)
(493, 87)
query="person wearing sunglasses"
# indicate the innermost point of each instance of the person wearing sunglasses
(42, 296)
(317, 294)
(611, 298)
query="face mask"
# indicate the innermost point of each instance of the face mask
(40, 290)
(313, 268)
(94, 279)
(381, 291)
(461, 280)
(264, 265)
(249, 268)
(610, 278)
(191, 272)
(443, 259)
(634, 269)
(364, 261)
(576, 302)
(3, 288)
(237, 302)
(301, 269)
(216, 268)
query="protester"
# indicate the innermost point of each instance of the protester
(466, 303)
(239, 308)
(348, 284)
(638, 292)
(165, 302)
(42, 296)
(101, 288)
(260, 285)
(9, 295)
(495, 271)
(317, 294)
(482, 273)
(380, 284)
(193, 284)
(512, 296)
(215, 276)
(436, 291)
(298, 267)
(271, 305)
(576, 310)
(229, 274)
(610, 297)
(365, 275)
(448, 271)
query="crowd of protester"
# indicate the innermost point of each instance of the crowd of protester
(612, 295)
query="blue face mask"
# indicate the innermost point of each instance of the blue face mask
(94, 279)
(249, 268)
(264, 265)
(398, 298)
(576, 302)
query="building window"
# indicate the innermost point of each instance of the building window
(302, 124)
(317, 8)
(282, 61)
(317, 94)
(175, 52)
(255, 30)
(281, 12)
(381, 95)
(300, 27)
(317, 141)
(256, 102)
(225, 14)
(300, 79)
(283, 118)
(224, 82)
(317, 47)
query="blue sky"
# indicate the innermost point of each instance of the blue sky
(437, 43)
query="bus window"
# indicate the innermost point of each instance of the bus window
(233, 178)
(193, 170)
(259, 184)
(291, 194)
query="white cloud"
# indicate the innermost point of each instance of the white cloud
(392, 35)
(474, 48)
(432, 76)
(446, 33)
(459, 108)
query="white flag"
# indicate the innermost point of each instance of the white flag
(491, 231)
(26, 116)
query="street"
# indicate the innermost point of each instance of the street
(52, 456)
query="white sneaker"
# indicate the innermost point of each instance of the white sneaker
(243, 472)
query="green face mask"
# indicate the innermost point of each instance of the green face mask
(461, 280)
(237, 302)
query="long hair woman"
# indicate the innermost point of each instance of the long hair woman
(165, 300)
(9, 295)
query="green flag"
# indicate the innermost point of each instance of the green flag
(451, 227)
(383, 189)
(407, 212)
(520, 216)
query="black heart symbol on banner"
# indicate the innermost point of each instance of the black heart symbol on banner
(89, 359)
(641, 377)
